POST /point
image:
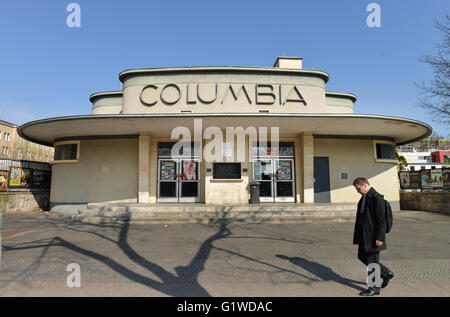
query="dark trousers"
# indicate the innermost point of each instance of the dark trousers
(372, 257)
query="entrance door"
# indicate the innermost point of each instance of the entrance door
(321, 180)
(277, 179)
(178, 180)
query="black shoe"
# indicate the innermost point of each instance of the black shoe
(370, 292)
(387, 279)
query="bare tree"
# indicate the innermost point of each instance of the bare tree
(436, 94)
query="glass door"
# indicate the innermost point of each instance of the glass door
(277, 179)
(167, 180)
(178, 180)
(189, 180)
(263, 173)
(284, 187)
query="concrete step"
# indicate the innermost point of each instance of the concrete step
(194, 213)
(210, 208)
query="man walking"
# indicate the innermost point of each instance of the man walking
(370, 231)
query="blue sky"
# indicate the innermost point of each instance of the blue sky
(49, 69)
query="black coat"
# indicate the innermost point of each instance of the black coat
(370, 222)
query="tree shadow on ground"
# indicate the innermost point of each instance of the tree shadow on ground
(183, 283)
(321, 271)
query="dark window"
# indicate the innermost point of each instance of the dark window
(284, 149)
(227, 170)
(66, 152)
(385, 151)
(413, 168)
(165, 149)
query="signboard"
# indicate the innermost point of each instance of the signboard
(167, 170)
(431, 178)
(15, 176)
(404, 180)
(447, 159)
(26, 178)
(3, 180)
(446, 177)
(284, 170)
(220, 94)
(189, 170)
(436, 178)
(414, 180)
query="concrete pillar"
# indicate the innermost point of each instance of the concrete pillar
(298, 148)
(144, 167)
(308, 167)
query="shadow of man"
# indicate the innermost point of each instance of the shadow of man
(321, 271)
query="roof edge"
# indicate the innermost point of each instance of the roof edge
(346, 95)
(106, 116)
(129, 72)
(105, 94)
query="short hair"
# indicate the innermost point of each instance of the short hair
(360, 181)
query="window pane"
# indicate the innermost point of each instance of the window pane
(66, 152)
(385, 151)
(165, 149)
(226, 170)
(284, 149)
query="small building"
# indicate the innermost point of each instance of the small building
(202, 134)
(424, 160)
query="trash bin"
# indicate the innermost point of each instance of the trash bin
(254, 192)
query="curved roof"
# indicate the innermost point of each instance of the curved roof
(105, 94)
(341, 95)
(223, 70)
(399, 130)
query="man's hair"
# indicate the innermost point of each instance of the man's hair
(360, 181)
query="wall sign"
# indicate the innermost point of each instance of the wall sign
(220, 93)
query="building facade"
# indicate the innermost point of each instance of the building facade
(424, 160)
(17, 148)
(203, 134)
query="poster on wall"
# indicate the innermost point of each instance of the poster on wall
(189, 170)
(284, 170)
(414, 180)
(167, 170)
(3, 180)
(404, 180)
(26, 179)
(447, 159)
(436, 178)
(446, 177)
(15, 176)
(425, 177)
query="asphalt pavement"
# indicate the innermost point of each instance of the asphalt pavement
(41, 255)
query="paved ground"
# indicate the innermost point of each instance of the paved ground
(217, 260)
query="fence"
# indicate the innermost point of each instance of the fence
(19, 175)
(429, 180)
